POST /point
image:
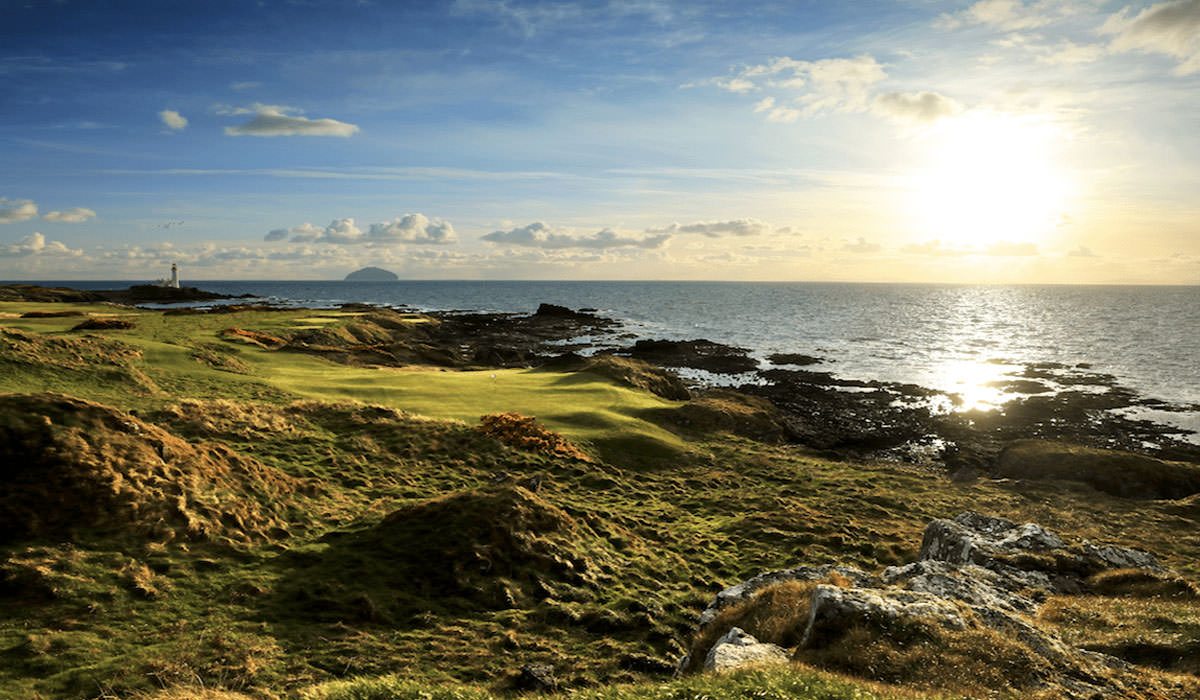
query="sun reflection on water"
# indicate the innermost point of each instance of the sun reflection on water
(976, 385)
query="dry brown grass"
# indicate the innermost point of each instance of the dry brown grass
(776, 614)
(1140, 583)
(70, 465)
(256, 338)
(973, 661)
(524, 433)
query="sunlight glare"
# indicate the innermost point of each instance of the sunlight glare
(989, 179)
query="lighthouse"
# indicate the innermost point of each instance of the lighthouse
(174, 281)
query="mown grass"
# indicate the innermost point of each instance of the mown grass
(670, 518)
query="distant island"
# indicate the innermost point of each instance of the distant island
(372, 274)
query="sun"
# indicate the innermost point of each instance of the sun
(989, 179)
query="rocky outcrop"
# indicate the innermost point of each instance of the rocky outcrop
(741, 592)
(694, 354)
(737, 649)
(979, 578)
(1114, 472)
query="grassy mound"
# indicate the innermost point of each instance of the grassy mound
(72, 466)
(627, 372)
(492, 548)
(1111, 471)
(53, 361)
(723, 411)
(103, 324)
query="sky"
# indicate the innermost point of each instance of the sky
(998, 141)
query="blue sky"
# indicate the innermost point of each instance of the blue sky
(1002, 140)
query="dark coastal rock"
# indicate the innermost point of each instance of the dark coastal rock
(556, 311)
(152, 293)
(695, 354)
(794, 358)
(1114, 472)
(36, 293)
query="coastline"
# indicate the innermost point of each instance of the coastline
(319, 482)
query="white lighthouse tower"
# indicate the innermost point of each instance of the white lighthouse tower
(171, 282)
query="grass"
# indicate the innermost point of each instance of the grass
(660, 519)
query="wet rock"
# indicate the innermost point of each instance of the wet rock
(695, 354)
(556, 311)
(794, 358)
(737, 649)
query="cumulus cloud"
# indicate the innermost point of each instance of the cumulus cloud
(717, 229)
(1009, 15)
(1069, 53)
(14, 210)
(540, 235)
(1169, 28)
(413, 228)
(827, 85)
(280, 120)
(77, 215)
(36, 244)
(920, 107)
(410, 228)
(173, 120)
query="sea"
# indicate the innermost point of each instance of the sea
(965, 340)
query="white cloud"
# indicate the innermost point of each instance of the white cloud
(777, 114)
(244, 85)
(413, 228)
(922, 107)
(862, 246)
(173, 120)
(36, 244)
(1009, 15)
(1169, 28)
(281, 120)
(808, 88)
(717, 229)
(1069, 53)
(77, 215)
(410, 228)
(540, 235)
(14, 210)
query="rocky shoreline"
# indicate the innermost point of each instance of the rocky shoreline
(840, 417)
